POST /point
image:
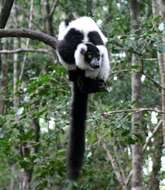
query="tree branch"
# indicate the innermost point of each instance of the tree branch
(28, 40)
(53, 8)
(118, 173)
(105, 114)
(23, 50)
(121, 179)
(152, 135)
(145, 146)
(23, 11)
(27, 33)
(158, 85)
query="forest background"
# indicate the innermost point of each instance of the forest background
(125, 133)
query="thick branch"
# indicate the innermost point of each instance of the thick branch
(26, 33)
(5, 13)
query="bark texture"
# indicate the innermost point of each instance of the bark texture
(158, 8)
(27, 33)
(154, 180)
(136, 117)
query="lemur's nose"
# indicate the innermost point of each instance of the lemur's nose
(95, 64)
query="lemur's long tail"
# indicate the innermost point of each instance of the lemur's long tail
(77, 132)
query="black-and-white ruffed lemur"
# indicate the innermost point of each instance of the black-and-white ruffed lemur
(82, 49)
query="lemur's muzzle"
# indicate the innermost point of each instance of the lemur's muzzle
(95, 64)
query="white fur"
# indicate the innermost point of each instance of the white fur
(93, 74)
(83, 24)
(61, 30)
(80, 62)
(102, 72)
(104, 61)
(79, 57)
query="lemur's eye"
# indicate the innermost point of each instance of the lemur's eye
(89, 56)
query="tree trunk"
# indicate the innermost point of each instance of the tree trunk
(136, 117)
(158, 8)
(25, 180)
(136, 131)
(161, 60)
(27, 41)
(3, 83)
(89, 5)
(4, 15)
(48, 20)
(154, 180)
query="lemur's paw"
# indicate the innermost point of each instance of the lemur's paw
(87, 85)
(102, 85)
(82, 48)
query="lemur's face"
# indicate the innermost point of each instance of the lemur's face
(92, 56)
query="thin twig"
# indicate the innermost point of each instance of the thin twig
(21, 10)
(105, 114)
(27, 41)
(118, 163)
(116, 168)
(131, 50)
(53, 8)
(153, 81)
(23, 50)
(153, 133)
(158, 85)
(129, 177)
(145, 146)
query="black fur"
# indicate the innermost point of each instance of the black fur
(92, 53)
(68, 45)
(95, 38)
(88, 85)
(77, 132)
(85, 84)
(82, 86)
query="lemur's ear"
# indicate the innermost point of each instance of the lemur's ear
(82, 51)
